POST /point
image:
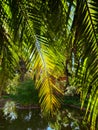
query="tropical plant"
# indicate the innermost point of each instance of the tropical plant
(25, 93)
(51, 37)
(30, 46)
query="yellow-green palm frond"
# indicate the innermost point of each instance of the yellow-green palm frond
(44, 71)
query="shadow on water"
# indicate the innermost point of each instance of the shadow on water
(70, 119)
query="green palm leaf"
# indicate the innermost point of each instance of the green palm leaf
(86, 38)
(51, 38)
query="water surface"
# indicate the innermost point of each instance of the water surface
(70, 119)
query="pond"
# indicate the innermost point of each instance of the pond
(68, 119)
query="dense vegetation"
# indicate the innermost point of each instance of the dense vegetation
(51, 40)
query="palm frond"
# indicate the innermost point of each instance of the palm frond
(44, 67)
(51, 37)
(86, 39)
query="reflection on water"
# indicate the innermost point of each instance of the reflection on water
(49, 128)
(26, 120)
(9, 110)
(28, 117)
(32, 120)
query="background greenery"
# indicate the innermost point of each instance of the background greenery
(51, 39)
(25, 93)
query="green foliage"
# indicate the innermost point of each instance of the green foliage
(51, 37)
(72, 100)
(26, 93)
(12, 84)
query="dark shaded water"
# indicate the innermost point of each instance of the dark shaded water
(32, 120)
